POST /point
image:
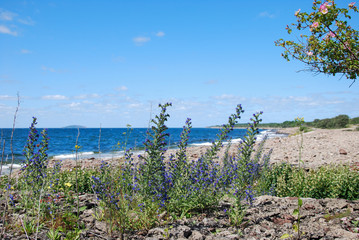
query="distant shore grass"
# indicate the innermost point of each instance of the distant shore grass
(340, 121)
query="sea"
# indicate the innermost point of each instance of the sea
(104, 143)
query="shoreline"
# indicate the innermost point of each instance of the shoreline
(320, 147)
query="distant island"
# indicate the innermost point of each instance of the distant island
(74, 126)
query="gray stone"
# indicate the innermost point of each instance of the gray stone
(232, 237)
(182, 231)
(101, 226)
(156, 232)
(196, 235)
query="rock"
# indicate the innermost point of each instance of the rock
(342, 152)
(209, 222)
(224, 233)
(155, 232)
(232, 236)
(196, 235)
(101, 226)
(182, 231)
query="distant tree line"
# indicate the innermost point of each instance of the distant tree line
(340, 121)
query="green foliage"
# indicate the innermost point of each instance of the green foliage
(67, 180)
(340, 121)
(54, 234)
(327, 43)
(329, 217)
(354, 120)
(153, 177)
(29, 226)
(325, 182)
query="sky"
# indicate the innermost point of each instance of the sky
(110, 63)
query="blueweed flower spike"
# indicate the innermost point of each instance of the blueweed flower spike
(36, 158)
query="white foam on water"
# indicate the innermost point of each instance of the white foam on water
(14, 166)
(73, 155)
(201, 144)
(6, 168)
(237, 140)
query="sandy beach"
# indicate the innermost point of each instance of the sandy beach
(320, 147)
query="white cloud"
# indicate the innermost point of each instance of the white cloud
(27, 21)
(6, 30)
(53, 70)
(25, 51)
(135, 105)
(7, 97)
(55, 97)
(141, 40)
(160, 34)
(87, 96)
(6, 15)
(122, 88)
(266, 14)
(48, 69)
(74, 104)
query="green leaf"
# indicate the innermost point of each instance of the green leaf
(300, 202)
(295, 227)
(295, 212)
(82, 208)
(285, 236)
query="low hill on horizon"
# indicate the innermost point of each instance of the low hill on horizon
(74, 126)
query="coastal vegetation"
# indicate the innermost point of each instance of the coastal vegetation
(44, 200)
(340, 121)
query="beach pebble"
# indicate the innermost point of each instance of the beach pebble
(343, 152)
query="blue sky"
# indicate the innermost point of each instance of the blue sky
(110, 63)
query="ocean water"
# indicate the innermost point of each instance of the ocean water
(109, 141)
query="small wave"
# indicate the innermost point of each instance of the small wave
(201, 144)
(7, 166)
(73, 155)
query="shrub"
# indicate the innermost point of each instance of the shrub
(341, 121)
(354, 120)
(325, 182)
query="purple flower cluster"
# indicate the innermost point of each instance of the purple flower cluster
(36, 158)
(104, 187)
(181, 186)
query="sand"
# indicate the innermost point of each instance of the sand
(320, 147)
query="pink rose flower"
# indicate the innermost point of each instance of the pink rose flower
(314, 25)
(324, 8)
(331, 34)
